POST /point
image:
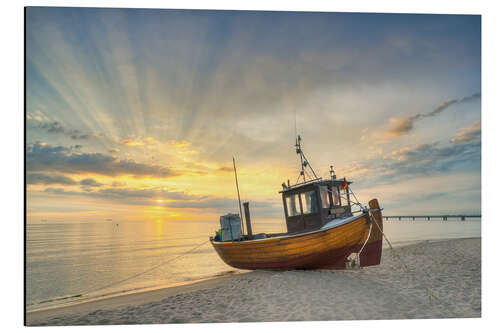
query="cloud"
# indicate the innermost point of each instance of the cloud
(415, 161)
(171, 199)
(48, 179)
(76, 136)
(132, 143)
(132, 196)
(55, 127)
(179, 144)
(400, 127)
(470, 133)
(128, 193)
(90, 182)
(210, 202)
(59, 190)
(41, 157)
(432, 158)
(150, 141)
(225, 169)
(410, 153)
(37, 115)
(174, 200)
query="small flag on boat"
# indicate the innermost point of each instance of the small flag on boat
(344, 184)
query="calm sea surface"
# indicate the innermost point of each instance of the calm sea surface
(74, 262)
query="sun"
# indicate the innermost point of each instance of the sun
(159, 200)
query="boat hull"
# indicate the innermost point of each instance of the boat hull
(321, 249)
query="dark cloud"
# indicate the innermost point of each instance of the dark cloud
(400, 127)
(48, 179)
(417, 161)
(59, 190)
(431, 158)
(225, 169)
(127, 195)
(43, 157)
(76, 136)
(55, 127)
(90, 182)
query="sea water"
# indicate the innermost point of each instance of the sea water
(75, 262)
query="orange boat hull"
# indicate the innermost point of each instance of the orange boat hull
(327, 249)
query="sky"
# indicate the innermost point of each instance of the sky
(135, 114)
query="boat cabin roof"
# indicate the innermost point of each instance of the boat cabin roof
(306, 185)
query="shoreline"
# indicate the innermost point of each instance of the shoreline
(118, 294)
(137, 302)
(127, 299)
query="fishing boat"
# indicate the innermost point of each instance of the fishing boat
(327, 228)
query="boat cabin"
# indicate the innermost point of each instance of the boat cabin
(310, 205)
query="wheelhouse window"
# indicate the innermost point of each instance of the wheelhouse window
(309, 202)
(335, 195)
(293, 205)
(325, 198)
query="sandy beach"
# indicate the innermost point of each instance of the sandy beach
(430, 279)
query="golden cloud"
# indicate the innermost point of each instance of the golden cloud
(132, 143)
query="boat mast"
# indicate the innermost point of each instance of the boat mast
(303, 160)
(238, 190)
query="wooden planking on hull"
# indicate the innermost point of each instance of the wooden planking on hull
(297, 244)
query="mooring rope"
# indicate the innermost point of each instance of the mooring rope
(146, 271)
(388, 242)
(429, 291)
(366, 241)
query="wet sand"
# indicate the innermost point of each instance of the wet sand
(431, 279)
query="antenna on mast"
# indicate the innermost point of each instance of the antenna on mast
(298, 150)
(303, 160)
(304, 163)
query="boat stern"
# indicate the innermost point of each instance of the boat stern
(371, 254)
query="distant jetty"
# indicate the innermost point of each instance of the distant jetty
(429, 217)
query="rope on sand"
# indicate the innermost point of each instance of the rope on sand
(429, 291)
(144, 272)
